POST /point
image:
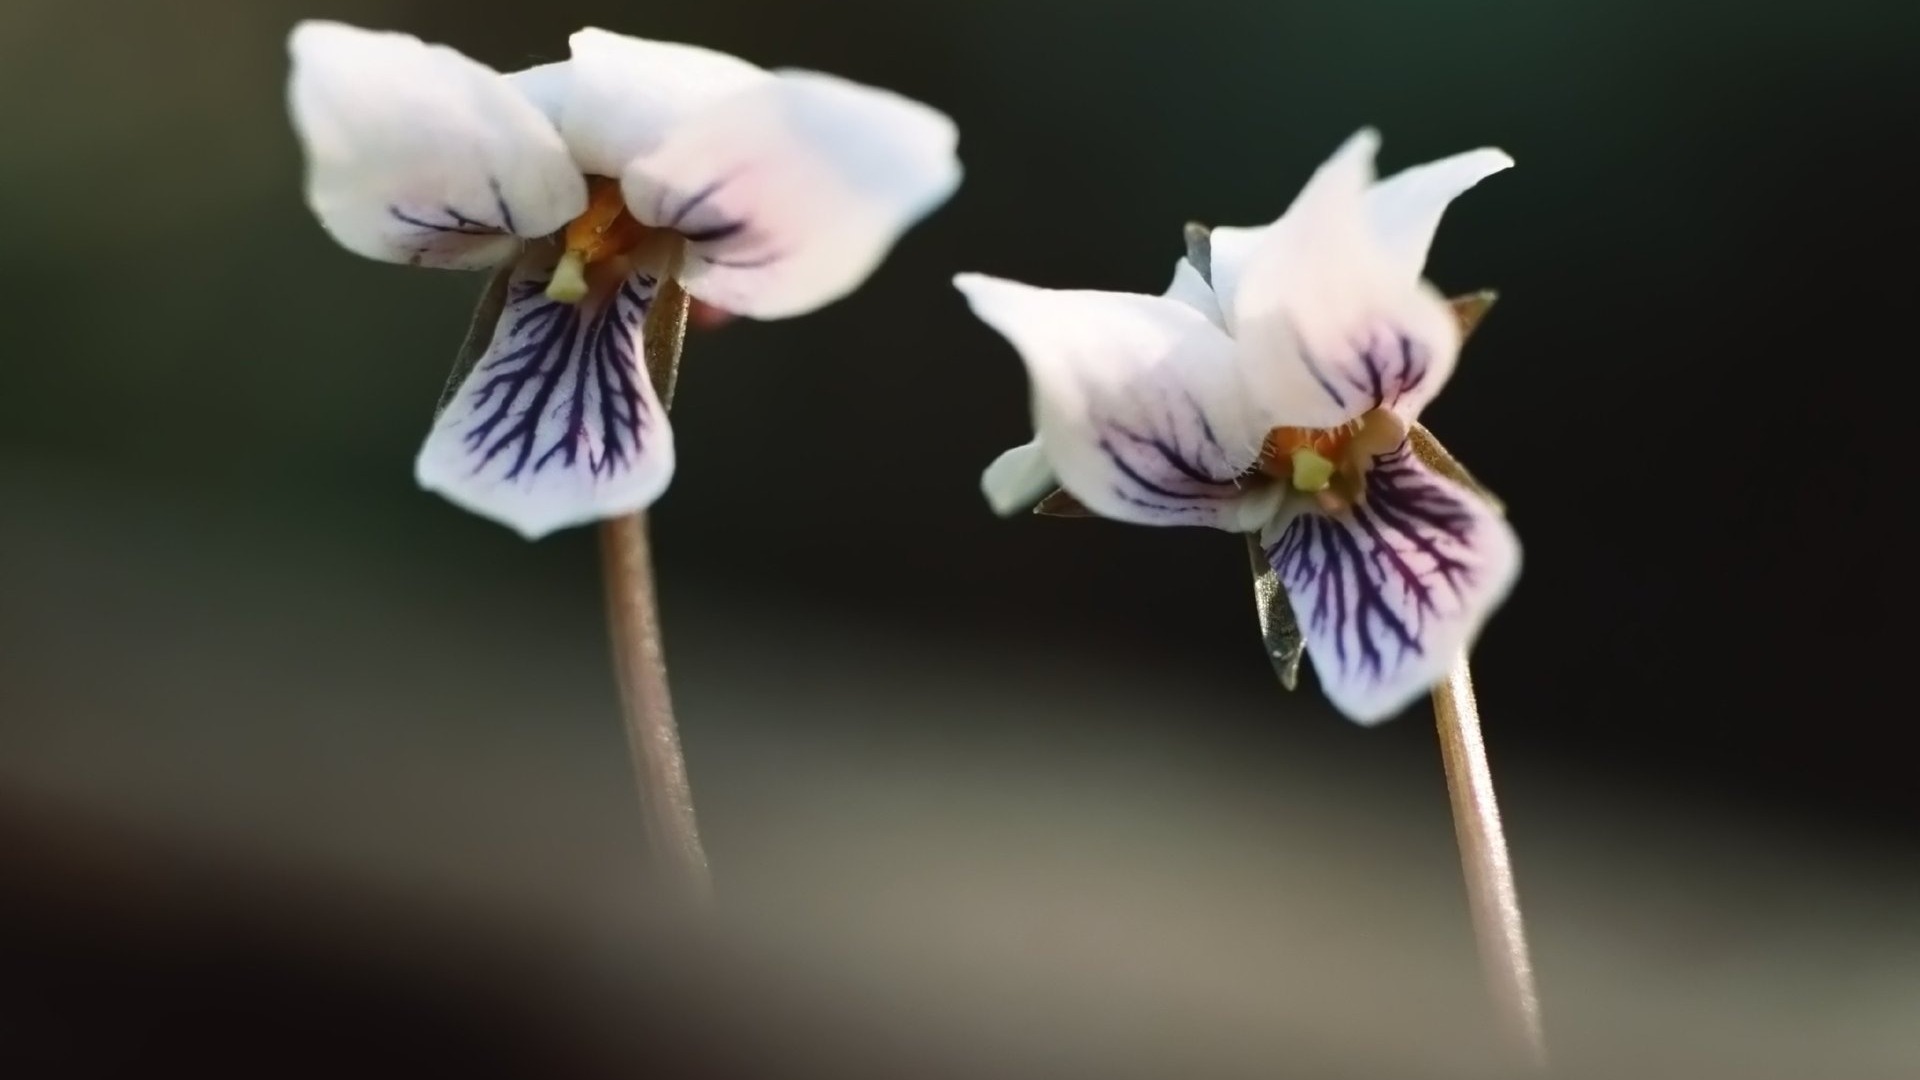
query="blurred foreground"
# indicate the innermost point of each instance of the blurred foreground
(275, 804)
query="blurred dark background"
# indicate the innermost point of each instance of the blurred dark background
(303, 771)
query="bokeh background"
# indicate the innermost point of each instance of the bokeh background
(305, 773)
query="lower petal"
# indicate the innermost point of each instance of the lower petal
(1391, 592)
(557, 423)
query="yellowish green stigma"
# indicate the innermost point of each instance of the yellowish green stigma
(596, 245)
(1331, 464)
(1312, 471)
(569, 283)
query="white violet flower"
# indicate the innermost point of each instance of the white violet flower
(768, 193)
(1277, 400)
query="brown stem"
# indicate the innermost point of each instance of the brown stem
(639, 662)
(1489, 871)
(639, 656)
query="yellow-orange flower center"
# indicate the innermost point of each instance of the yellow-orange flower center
(1283, 442)
(1330, 464)
(596, 243)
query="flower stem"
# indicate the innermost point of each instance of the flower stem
(653, 739)
(639, 656)
(1489, 871)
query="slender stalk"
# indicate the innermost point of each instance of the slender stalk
(639, 655)
(653, 739)
(1491, 895)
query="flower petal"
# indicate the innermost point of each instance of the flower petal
(547, 86)
(790, 193)
(1392, 591)
(1018, 479)
(416, 154)
(1331, 328)
(1231, 244)
(557, 424)
(1191, 289)
(1405, 208)
(1137, 400)
(625, 93)
(1404, 211)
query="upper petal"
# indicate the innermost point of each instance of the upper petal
(1191, 289)
(1231, 244)
(547, 86)
(1330, 326)
(791, 192)
(1404, 211)
(557, 423)
(1405, 208)
(417, 154)
(1390, 593)
(1139, 407)
(623, 94)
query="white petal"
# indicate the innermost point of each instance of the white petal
(1390, 593)
(1404, 211)
(1018, 479)
(416, 154)
(1231, 245)
(557, 424)
(1137, 401)
(1331, 328)
(791, 193)
(1191, 289)
(626, 93)
(1405, 208)
(547, 86)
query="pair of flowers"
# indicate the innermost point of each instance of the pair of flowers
(1271, 392)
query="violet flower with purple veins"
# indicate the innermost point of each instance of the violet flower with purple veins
(1276, 394)
(588, 184)
(603, 192)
